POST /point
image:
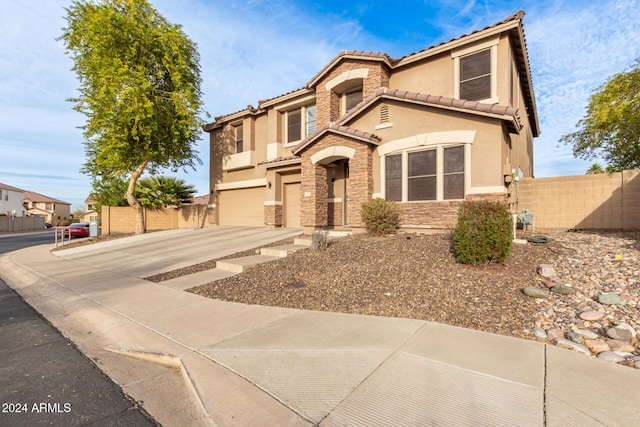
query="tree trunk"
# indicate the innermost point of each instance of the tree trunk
(130, 195)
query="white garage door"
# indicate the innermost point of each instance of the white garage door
(242, 207)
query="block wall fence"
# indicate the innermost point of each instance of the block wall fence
(122, 219)
(609, 201)
(598, 202)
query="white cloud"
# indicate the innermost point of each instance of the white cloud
(251, 50)
(573, 51)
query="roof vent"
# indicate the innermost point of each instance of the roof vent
(384, 113)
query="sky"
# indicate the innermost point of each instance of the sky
(258, 49)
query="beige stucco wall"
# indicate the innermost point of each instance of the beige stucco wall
(409, 120)
(434, 78)
(122, 219)
(603, 201)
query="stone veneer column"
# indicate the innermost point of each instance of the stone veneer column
(273, 214)
(360, 183)
(313, 193)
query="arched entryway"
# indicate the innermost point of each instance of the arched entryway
(337, 178)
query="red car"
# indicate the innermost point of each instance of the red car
(78, 229)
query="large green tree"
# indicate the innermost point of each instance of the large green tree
(139, 88)
(109, 192)
(611, 125)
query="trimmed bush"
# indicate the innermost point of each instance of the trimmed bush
(380, 216)
(483, 234)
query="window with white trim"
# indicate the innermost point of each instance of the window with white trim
(436, 173)
(310, 120)
(453, 180)
(301, 122)
(475, 76)
(476, 71)
(351, 99)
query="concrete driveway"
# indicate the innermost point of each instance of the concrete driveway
(158, 252)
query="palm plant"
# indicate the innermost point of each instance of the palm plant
(156, 192)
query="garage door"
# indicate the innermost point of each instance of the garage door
(242, 207)
(292, 205)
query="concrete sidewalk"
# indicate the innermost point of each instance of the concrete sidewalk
(197, 361)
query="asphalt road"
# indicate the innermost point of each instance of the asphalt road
(12, 242)
(44, 379)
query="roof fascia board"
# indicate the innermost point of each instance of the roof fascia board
(341, 57)
(287, 97)
(282, 163)
(457, 43)
(527, 67)
(297, 102)
(221, 121)
(508, 118)
(298, 149)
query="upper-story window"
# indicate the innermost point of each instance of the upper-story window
(475, 76)
(476, 72)
(238, 138)
(351, 99)
(301, 122)
(48, 206)
(310, 120)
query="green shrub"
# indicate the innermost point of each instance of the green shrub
(483, 234)
(380, 216)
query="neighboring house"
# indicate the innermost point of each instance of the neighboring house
(11, 200)
(53, 210)
(200, 200)
(89, 210)
(449, 123)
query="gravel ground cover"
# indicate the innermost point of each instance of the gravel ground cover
(416, 276)
(406, 275)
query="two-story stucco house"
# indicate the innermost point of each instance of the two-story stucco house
(53, 210)
(452, 122)
(11, 200)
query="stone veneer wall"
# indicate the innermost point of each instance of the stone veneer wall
(314, 207)
(313, 191)
(273, 215)
(328, 102)
(438, 215)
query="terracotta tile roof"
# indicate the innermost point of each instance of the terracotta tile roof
(216, 120)
(200, 200)
(284, 160)
(254, 110)
(10, 188)
(512, 18)
(263, 101)
(509, 113)
(340, 129)
(37, 197)
(379, 56)
(520, 50)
